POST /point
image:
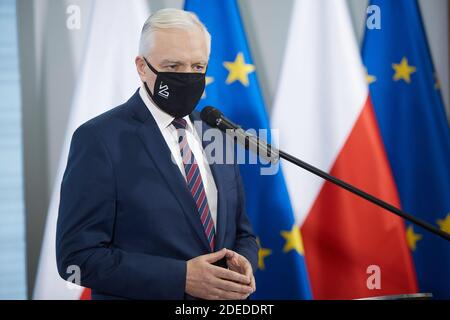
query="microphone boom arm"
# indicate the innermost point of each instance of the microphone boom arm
(364, 195)
(215, 118)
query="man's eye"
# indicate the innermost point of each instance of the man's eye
(199, 68)
(172, 66)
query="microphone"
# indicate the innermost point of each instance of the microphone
(216, 119)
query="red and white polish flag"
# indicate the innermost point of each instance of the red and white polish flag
(325, 117)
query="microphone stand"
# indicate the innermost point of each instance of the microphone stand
(363, 194)
(216, 119)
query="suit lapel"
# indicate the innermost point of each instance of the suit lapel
(159, 152)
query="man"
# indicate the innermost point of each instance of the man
(143, 212)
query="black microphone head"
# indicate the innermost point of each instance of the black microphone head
(210, 115)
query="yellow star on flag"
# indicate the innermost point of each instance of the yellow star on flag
(208, 80)
(238, 70)
(370, 78)
(294, 240)
(444, 224)
(262, 253)
(412, 238)
(403, 70)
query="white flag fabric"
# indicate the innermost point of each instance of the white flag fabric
(321, 93)
(107, 78)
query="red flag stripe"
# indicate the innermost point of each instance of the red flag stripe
(343, 235)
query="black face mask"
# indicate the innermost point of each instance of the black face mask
(176, 93)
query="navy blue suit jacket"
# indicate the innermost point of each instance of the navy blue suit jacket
(126, 215)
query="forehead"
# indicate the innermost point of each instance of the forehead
(179, 44)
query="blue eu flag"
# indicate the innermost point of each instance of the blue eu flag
(410, 112)
(232, 86)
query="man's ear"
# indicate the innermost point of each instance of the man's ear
(140, 67)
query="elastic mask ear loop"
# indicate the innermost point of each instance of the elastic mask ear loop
(145, 83)
(151, 67)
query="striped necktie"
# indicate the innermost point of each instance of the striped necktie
(194, 181)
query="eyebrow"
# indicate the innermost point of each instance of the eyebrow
(180, 62)
(172, 62)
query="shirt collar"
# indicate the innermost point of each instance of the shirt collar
(163, 119)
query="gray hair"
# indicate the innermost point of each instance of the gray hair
(170, 18)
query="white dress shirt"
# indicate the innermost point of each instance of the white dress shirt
(168, 131)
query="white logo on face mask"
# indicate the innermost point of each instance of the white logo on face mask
(163, 90)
